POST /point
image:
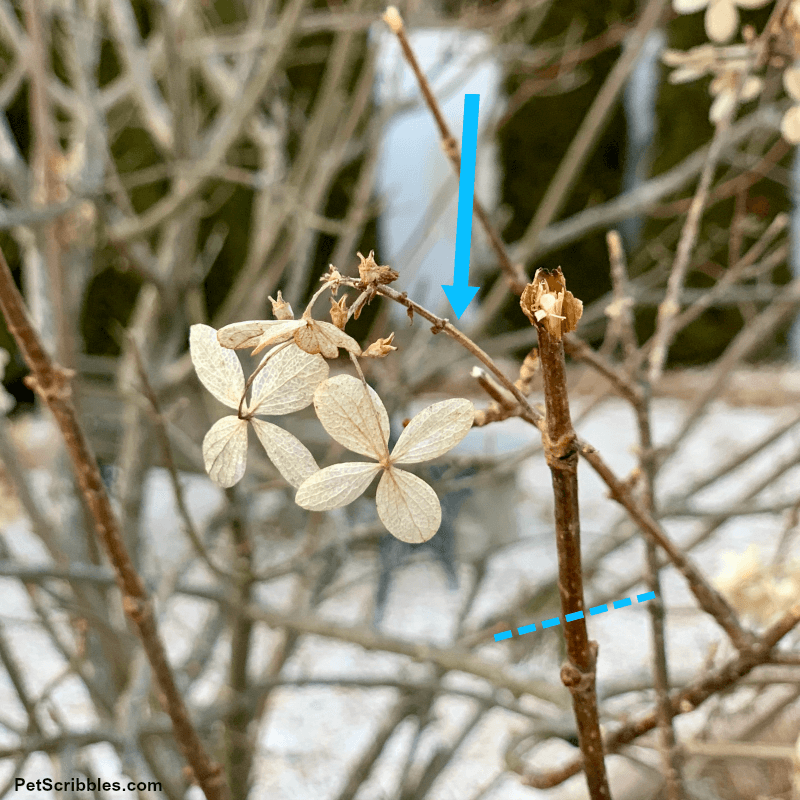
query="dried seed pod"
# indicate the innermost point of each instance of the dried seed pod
(380, 348)
(280, 308)
(339, 312)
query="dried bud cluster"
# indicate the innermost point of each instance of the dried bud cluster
(374, 275)
(546, 302)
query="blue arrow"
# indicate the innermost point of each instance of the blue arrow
(460, 294)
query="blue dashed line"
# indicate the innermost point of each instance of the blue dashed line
(551, 623)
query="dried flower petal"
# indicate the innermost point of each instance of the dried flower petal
(225, 451)
(287, 382)
(323, 337)
(351, 419)
(434, 431)
(790, 125)
(257, 333)
(689, 6)
(380, 348)
(336, 486)
(218, 369)
(721, 20)
(791, 81)
(289, 455)
(407, 506)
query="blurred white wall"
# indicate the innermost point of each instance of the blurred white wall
(414, 173)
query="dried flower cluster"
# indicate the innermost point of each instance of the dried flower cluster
(756, 589)
(732, 65)
(721, 16)
(292, 374)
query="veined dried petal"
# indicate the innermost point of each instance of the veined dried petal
(225, 451)
(323, 337)
(434, 431)
(287, 382)
(258, 334)
(336, 486)
(289, 455)
(356, 420)
(721, 20)
(218, 369)
(407, 506)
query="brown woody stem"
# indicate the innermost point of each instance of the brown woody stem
(51, 382)
(561, 452)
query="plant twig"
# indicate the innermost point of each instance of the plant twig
(688, 699)
(561, 454)
(51, 382)
(515, 274)
(709, 599)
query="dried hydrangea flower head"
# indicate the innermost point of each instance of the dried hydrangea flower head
(722, 16)
(285, 384)
(755, 588)
(354, 416)
(730, 67)
(547, 302)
